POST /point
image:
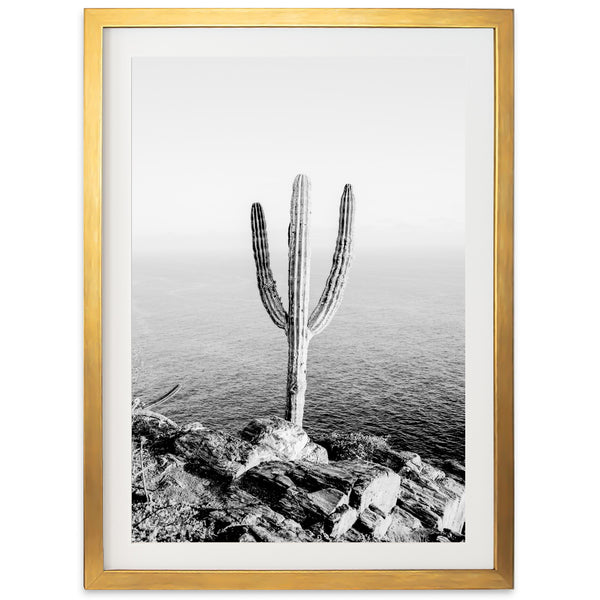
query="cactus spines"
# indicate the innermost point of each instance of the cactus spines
(297, 324)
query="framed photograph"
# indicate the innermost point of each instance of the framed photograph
(298, 299)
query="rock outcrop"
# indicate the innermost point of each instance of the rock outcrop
(286, 440)
(227, 455)
(271, 483)
(153, 426)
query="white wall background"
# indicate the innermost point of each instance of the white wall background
(557, 297)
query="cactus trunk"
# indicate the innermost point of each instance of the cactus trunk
(298, 292)
(298, 325)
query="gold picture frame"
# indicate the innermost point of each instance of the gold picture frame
(501, 576)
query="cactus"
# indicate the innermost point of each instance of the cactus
(298, 326)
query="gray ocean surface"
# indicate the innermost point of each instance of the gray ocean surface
(391, 363)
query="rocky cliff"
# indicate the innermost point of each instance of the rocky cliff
(271, 483)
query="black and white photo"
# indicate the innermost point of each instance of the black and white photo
(298, 299)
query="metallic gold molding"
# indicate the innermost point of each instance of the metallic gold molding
(501, 576)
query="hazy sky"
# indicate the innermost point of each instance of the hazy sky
(213, 135)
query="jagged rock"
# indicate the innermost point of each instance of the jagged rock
(305, 492)
(271, 483)
(235, 533)
(313, 476)
(362, 483)
(374, 484)
(283, 437)
(190, 427)
(226, 455)
(411, 460)
(246, 509)
(453, 467)
(274, 485)
(285, 533)
(353, 536)
(310, 476)
(396, 460)
(283, 482)
(378, 511)
(246, 516)
(152, 426)
(373, 522)
(405, 527)
(451, 486)
(314, 453)
(427, 516)
(270, 478)
(438, 502)
(329, 499)
(453, 518)
(453, 536)
(340, 521)
(295, 503)
(430, 472)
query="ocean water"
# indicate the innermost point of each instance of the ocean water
(390, 363)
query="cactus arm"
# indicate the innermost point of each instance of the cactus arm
(298, 290)
(331, 297)
(264, 275)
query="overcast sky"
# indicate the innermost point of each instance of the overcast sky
(213, 135)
